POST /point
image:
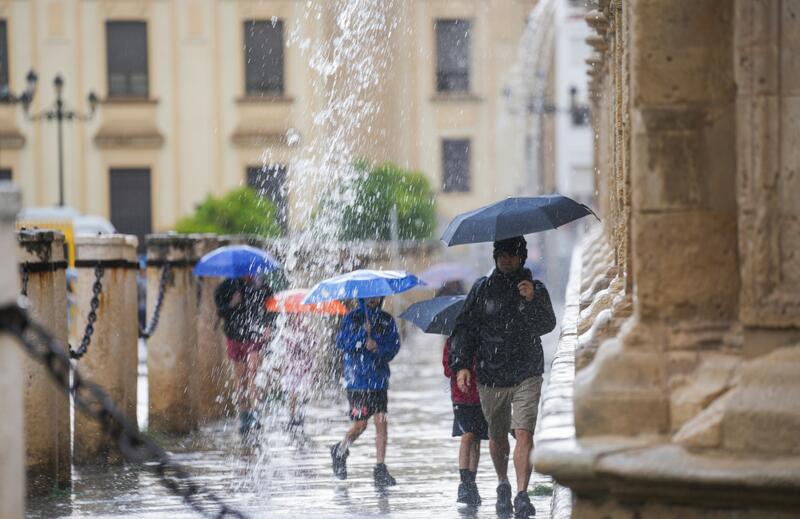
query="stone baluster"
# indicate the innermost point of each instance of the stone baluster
(213, 368)
(12, 443)
(172, 348)
(111, 358)
(47, 427)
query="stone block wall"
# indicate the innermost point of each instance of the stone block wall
(687, 359)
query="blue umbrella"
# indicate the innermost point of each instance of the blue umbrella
(234, 261)
(437, 315)
(513, 217)
(361, 284)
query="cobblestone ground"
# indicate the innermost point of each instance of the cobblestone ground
(290, 477)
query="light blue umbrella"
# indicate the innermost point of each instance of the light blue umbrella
(362, 284)
(235, 261)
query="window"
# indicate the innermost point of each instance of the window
(5, 174)
(263, 57)
(126, 55)
(452, 55)
(270, 182)
(131, 202)
(3, 59)
(455, 165)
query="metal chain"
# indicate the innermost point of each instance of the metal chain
(25, 278)
(93, 401)
(162, 286)
(97, 288)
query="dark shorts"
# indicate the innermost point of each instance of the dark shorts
(364, 404)
(469, 419)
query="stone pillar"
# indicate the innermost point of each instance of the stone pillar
(172, 348)
(47, 427)
(12, 443)
(111, 359)
(214, 370)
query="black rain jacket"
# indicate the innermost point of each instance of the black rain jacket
(501, 331)
(246, 321)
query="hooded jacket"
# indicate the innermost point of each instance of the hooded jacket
(366, 370)
(246, 321)
(500, 331)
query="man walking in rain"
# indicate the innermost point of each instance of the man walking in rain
(369, 339)
(499, 329)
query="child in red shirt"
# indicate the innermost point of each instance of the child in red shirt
(470, 424)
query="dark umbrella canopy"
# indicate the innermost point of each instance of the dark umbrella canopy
(437, 315)
(513, 217)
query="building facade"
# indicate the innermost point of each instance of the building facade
(197, 97)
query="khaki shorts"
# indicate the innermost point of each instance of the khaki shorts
(508, 408)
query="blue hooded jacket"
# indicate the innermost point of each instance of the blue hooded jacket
(366, 370)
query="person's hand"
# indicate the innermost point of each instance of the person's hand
(236, 298)
(371, 344)
(463, 379)
(526, 290)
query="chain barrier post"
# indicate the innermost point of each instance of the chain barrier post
(172, 346)
(47, 423)
(213, 369)
(107, 359)
(12, 442)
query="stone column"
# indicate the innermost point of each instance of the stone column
(12, 443)
(111, 357)
(172, 348)
(214, 372)
(47, 428)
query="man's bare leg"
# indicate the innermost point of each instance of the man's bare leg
(358, 427)
(381, 437)
(465, 451)
(499, 450)
(522, 458)
(474, 455)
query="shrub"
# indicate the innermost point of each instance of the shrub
(240, 211)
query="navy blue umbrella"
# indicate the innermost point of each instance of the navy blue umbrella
(437, 315)
(513, 217)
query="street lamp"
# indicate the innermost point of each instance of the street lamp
(58, 113)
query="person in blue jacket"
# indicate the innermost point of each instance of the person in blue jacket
(368, 345)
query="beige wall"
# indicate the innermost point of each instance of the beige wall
(197, 132)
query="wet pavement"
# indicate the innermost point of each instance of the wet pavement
(289, 476)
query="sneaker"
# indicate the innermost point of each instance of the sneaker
(503, 505)
(474, 495)
(523, 507)
(248, 422)
(339, 461)
(382, 476)
(463, 493)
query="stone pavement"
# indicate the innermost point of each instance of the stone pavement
(290, 478)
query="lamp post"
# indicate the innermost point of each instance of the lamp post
(57, 112)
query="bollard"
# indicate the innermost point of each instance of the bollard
(214, 370)
(131, 384)
(47, 427)
(111, 358)
(12, 443)
(172, 348)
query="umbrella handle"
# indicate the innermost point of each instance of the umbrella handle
(367, 324)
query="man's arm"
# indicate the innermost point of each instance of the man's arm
(464, 341)
(349, 335)
(388, 342)
(540, 310)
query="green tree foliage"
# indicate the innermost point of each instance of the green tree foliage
(240, 211)
(385, 186)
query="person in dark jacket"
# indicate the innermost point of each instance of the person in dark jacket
(369, 343)
(470, 424)
(247, 326)
(499, 328)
